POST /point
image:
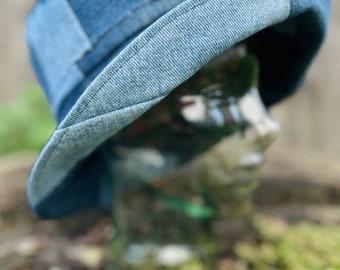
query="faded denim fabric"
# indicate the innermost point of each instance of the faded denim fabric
(67, 39)
(104, 63)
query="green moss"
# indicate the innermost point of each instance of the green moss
(301, 246)
(26, 122)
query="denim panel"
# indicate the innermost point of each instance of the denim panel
(97, 17)
(55, 49)
(70, 81)
(118, 31)
(69, 100)
(163, 56)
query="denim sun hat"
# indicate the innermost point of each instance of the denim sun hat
(103, 63)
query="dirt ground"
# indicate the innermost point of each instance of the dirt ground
(308, 190)
(28, 243)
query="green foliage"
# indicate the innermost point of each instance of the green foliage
(26, 122)
(303, 246)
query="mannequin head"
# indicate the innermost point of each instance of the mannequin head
(220, 104)
(190, 160)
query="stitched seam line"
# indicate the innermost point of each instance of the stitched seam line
(122, 20)
(106, 113)
(78, 24)
(84, 36)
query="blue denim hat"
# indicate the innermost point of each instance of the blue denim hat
(104, 63)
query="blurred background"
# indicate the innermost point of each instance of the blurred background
(15, 72)
(299, 183)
